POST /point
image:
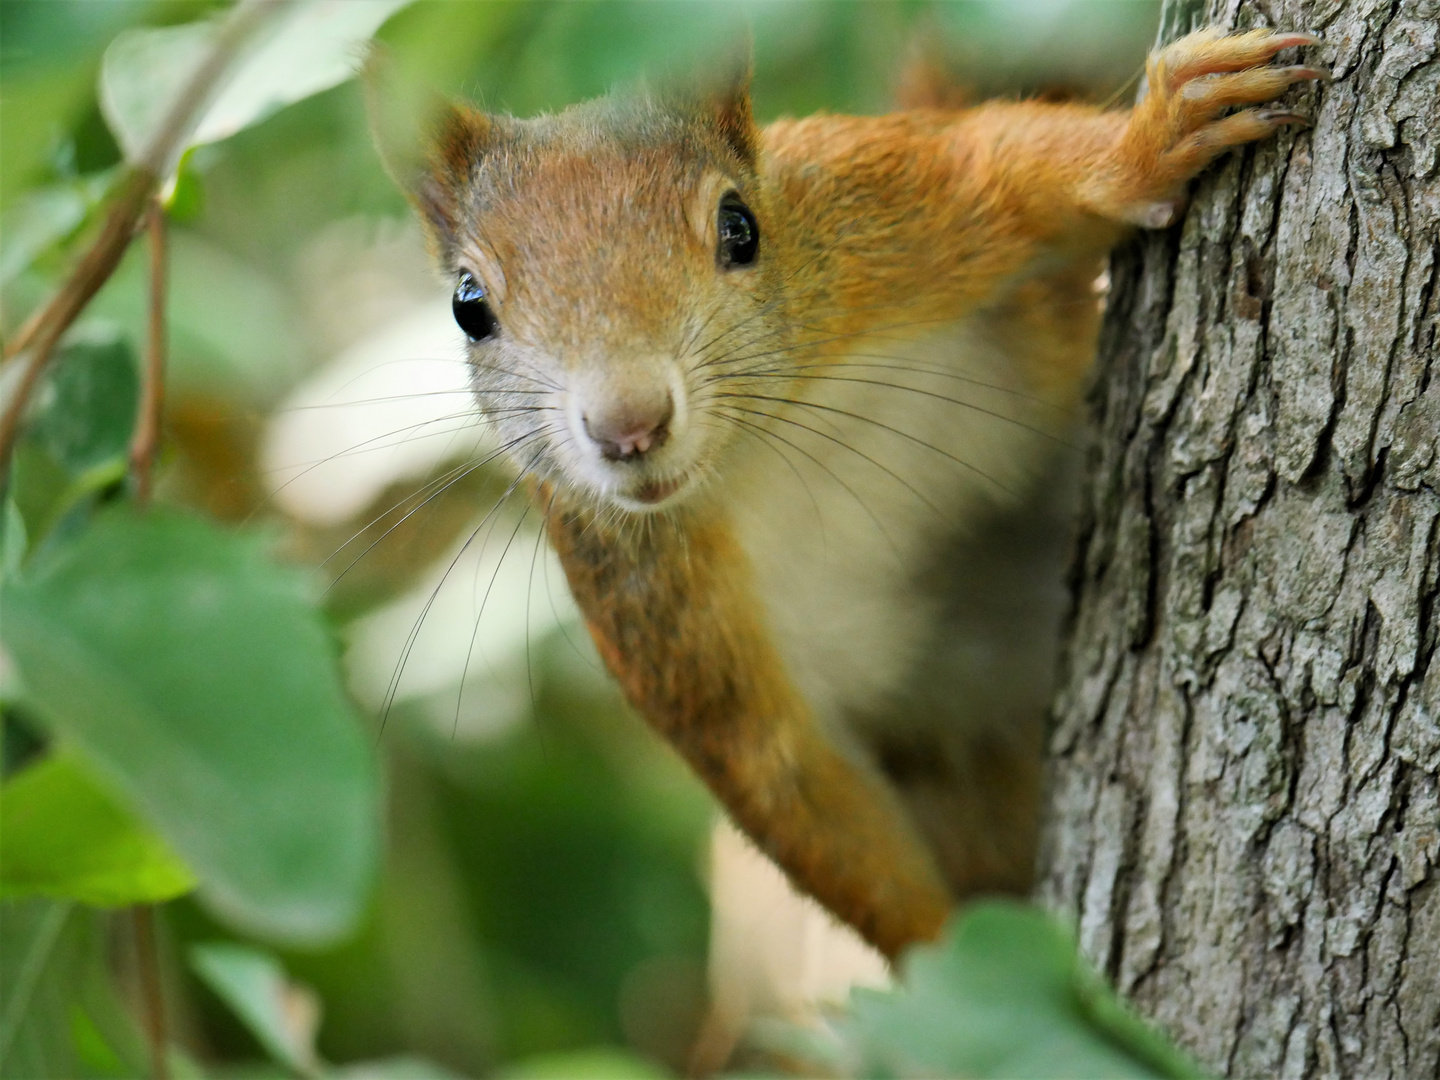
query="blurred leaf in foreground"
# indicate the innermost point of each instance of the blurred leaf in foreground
(597, 1063)
(281, 1015)
(284, 1016)
(65, 837)
(1004, 994)
(88, 402)
(198, 678)
(78, 438)
(397, 1068)
(60, 1014)
(308, 46)
(43, 218)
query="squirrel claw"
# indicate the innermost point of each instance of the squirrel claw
(1284, 116)
(1182, 125)
(1297, 38)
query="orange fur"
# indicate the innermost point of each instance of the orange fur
(600, 268)
(673, 616)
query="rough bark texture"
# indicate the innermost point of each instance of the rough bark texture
(1246, 751)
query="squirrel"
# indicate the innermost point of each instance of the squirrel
(729, 360)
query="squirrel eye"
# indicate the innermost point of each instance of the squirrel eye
(472, 310)
(739, 233)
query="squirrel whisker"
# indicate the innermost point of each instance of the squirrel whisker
(393, 687)
(864, 506)
(789, 376)
(860, 453)
(480, 614)
(881, 424)
(446, 481)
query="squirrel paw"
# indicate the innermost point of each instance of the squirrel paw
(1177, 129)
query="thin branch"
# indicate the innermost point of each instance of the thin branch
(42, 332)
(26, 973)
(146, 440)
(151, 996)
(133, 192)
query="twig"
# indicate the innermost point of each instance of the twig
(42, 332)
(146, 440)
(26, 974)
(151, 997)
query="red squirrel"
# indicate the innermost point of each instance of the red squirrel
(758, 377)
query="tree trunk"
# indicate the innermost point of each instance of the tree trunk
(1246, 747)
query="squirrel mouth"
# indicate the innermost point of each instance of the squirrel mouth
(657, 491)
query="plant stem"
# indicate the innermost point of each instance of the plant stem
(151, 997)
(146, 440)
(37, 951)
(42, 332)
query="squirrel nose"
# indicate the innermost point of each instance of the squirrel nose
(627, 430)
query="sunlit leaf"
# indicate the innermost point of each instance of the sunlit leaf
(280, 1015)
(197, 678)
(597, 1063)
(1004, 994)
(66, 837)
(306, 47)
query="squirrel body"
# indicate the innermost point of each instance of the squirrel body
(764, 380)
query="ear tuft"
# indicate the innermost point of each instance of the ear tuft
(427, 145)
(458, 138)
(729, 105)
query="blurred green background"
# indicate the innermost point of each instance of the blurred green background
(541, 889)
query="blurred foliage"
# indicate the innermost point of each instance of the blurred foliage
(494, 877)
(1004, 994)
(64, 836)
(179, 660)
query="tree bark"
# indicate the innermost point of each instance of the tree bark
(1245, 758)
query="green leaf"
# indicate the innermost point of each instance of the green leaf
(66, 838)
(60, 1014)
(43, 218)
(200, 682)
(30, 933)
(14, 541)
(305, 48)
(595, 1063)
(1004, 994)
(253, 984)
(403, 1068)
(89, 402)
(229, 324)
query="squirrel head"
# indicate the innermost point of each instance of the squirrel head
(605, 261)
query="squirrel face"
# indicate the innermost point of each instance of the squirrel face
(602, 259)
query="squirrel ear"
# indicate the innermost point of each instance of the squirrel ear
(729, 105)
(427, 145)
(458, 138)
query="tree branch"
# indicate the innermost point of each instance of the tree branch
(133, 192)
(146, 439)
(151, 994)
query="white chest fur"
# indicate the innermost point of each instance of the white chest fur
(895, 448)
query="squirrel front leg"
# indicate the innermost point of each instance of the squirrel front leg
(1132, 168)
(673, 615)
(936, 213)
